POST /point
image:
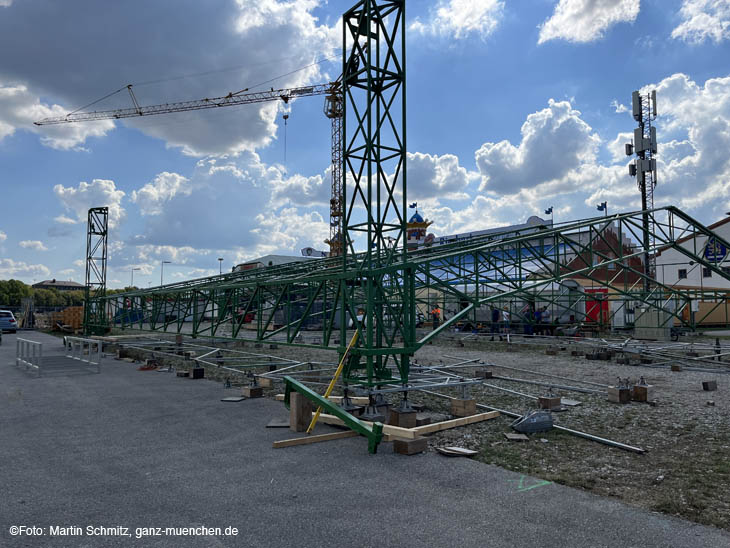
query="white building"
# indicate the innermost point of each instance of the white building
(676, 270)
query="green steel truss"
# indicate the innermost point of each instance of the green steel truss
(534, 265)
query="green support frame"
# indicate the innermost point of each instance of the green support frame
(374, 432)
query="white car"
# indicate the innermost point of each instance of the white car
(7, 321)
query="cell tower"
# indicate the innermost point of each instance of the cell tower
(644, 146)
(96, 254)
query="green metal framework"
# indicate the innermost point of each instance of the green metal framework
(97, 232)
(283, 303)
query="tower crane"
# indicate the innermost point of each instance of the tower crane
(333, 109)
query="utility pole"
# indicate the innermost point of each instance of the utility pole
(220, 266)
(131, 283)
(162, 269)
(644, 146)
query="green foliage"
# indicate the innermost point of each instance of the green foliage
(12, 292)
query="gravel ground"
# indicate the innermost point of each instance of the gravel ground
(685, 470)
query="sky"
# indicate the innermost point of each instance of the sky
(514, 106)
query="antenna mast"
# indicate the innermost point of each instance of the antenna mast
(644, 167)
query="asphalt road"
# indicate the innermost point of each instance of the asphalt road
(134, 449)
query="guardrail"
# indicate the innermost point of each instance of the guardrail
(84, 350)
(29, 353)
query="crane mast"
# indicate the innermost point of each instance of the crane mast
(333, 109)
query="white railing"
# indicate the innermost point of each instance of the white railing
(84, 350)
(29, 353)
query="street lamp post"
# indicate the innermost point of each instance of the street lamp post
(162, 269)
(220, 266)
(131, 283)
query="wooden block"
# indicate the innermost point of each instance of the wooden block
(675, 366)
(410, 447)
(306, 440)
(516, 437)
(300, 412)
(463, 408)
(619, 395)
(278, 423)
(548, 402)
(197, 373)
(483, 374)
(253, 392)
(265, 382)
(404, 420)
(183, 373)
(422, 420)
(642, 393)
(709, 386)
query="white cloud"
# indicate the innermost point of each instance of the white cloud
(5, 3)
(79, 262)
(223, 50)
(3, 236)
(703, 20)
(152, 196)
(619, 108)
(67, 271)
(62, 219)
(556, 144)
(99, 193)
(33, 244)
(18, 269)
(301, 190)
(586, 20)
(433, 176)
(462, 18)
(289, 230)
(19, 108)
(175, 254)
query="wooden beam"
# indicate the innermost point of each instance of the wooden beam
(388, 430)
(454, 423)
(306, 440)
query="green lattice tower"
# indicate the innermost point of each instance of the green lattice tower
(374, 129)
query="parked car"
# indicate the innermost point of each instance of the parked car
(7, 321)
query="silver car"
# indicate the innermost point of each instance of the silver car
(7, 321)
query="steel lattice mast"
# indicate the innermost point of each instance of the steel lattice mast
(97, 233)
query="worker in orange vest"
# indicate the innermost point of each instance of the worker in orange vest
(436, 316)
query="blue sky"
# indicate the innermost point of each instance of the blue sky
(513, 106)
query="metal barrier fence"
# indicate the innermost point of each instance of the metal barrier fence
(84, 350)
(29, 353)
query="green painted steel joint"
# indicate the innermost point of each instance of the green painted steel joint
(374, 434)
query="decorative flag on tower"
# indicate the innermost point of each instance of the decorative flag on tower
(549, 210)
(413, 205)
(602, 206)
